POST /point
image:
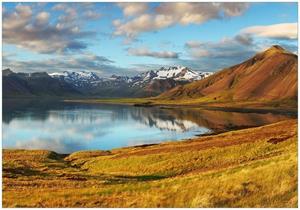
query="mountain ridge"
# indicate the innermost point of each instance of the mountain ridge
(84, 83)
(268, 75)
(179, 73)
(34, 84)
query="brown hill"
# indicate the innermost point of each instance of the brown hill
(268, 76)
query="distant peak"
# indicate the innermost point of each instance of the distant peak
(276, 48)
(6, 72)
(169, 68)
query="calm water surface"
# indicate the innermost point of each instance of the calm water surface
(68, 127)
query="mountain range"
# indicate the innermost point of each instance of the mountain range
(270, 75)
(83, 83)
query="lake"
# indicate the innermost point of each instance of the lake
(68, 127)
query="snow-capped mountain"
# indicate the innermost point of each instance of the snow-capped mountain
(177, 73)
(148, 83)
(78, 79)
(180, 73)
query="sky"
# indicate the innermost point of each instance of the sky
(130, 38)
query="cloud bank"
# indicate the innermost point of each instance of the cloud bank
(35, 32)
(169, 14)
(88, 62)
(286, 31)
(148, 53)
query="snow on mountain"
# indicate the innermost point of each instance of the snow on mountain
(79, 79)
(177, 73)
(59, 74)
(119, 78)
(180, 73)
(87, 79)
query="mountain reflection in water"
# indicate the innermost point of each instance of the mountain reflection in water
(69, 127)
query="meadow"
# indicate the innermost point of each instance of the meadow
(255, 167)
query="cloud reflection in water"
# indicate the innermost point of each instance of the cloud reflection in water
(68, 127)
(87, 127)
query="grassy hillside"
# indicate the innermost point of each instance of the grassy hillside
(254, 167)
(268, 76)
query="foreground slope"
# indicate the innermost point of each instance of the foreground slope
(254, 167)
(268, 76)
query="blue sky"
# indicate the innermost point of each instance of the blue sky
(129, 38)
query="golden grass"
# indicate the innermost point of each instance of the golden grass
(207, 101)
(254, 167)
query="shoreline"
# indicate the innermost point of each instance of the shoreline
(196, 137)
(241, 107)
(263, 109)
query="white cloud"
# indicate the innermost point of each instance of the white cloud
(200, 53)
(42, 18)
(157, 54)
(92, 15)
(184, 13)
(84, 61)
(23, 11)
(69, 16)
(232, 9)
(35, 32)
(276, 31)
(131, 9)
(193, 44)
(142, 23)
(17, 19)
(60, 6)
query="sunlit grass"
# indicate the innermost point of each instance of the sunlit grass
(205, 101)
(255, 167)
